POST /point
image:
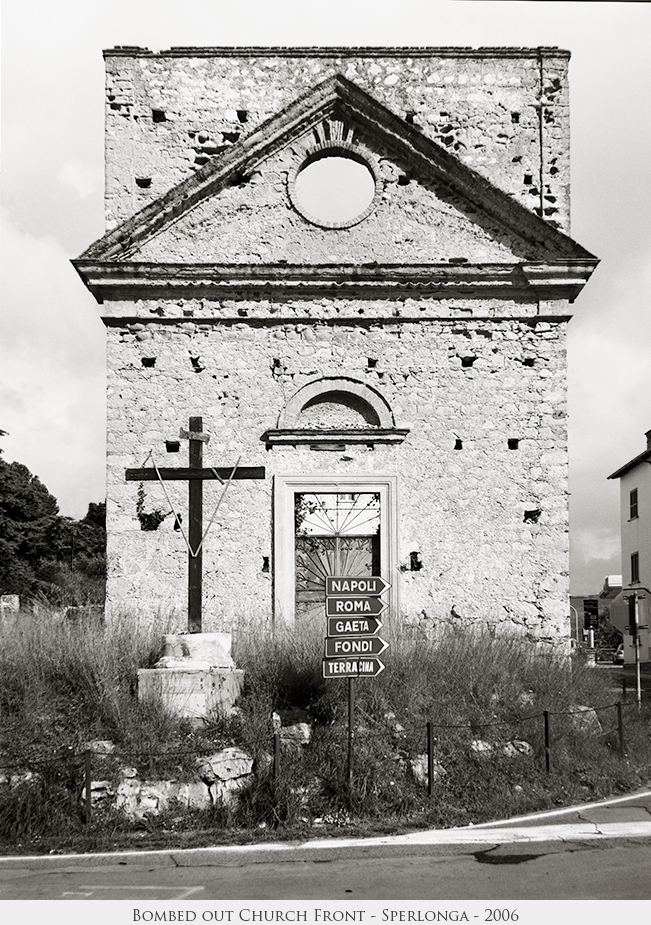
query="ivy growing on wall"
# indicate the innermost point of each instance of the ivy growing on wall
(151, 520)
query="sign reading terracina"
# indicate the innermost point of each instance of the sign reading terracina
(352, 668)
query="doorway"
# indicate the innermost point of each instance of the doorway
(336, 533)
(329, 526)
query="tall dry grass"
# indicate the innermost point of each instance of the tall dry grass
(62, 684)
(473, 687)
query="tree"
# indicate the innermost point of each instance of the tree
(29, 520)
(43, 553)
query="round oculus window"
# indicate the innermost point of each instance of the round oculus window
(334, 191)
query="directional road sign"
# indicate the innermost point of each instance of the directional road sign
(591, 614)
(352, 667)
(358, 645)
(345, 585)
(353, 626)
(372, 606)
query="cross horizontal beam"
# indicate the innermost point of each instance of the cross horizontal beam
(184, 475)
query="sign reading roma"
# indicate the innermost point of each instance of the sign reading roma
(354, 605)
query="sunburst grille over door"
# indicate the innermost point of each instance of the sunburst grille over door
(336, 534)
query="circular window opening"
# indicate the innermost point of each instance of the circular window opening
(334, 191)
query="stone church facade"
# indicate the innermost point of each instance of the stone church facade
(400, 375)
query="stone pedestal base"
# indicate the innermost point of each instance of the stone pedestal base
(192, 693)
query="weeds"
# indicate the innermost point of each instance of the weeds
(62, 684)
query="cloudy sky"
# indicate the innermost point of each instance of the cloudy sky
(52, 341)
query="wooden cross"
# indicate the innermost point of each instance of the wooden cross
(195, 476)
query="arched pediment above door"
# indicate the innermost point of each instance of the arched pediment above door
(333, 411)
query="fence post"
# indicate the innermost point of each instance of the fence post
(87, 779)
(276, 772)
(547, 741)
(430, 759)
(620, 728)
(623, 688)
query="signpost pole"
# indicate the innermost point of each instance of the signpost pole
(353, 606)
(430, 759)
(547, 742)
(351, 717)
(635, 629)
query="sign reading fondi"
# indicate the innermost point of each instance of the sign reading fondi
(354, 605)
(362, 645)
(353, 627)
(343, 586)
(352, 667)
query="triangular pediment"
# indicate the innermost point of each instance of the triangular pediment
(429, 207)
(412, 217)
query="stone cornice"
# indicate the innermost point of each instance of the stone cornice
(338, 51)
(112, 280)
(333, 438)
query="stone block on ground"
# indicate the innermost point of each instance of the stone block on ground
(226, 773)
(516, 748)
(199, 650)
(481, 747)
(293, 725)
(138, 798)
(585, 719)
(225, 765)
(420, 772)
(190, 692)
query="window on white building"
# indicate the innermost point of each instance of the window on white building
(633, 504)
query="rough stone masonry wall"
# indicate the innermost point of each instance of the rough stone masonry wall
(489, 522)
(503, 112)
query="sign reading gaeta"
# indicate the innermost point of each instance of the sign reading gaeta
(364, 627)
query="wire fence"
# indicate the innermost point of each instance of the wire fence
(543, 735)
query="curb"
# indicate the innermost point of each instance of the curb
(415, 843)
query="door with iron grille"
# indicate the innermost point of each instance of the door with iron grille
(336, 533)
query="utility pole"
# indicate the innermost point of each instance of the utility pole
(633, 623)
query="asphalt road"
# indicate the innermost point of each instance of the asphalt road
(619, 673)
(521, 871)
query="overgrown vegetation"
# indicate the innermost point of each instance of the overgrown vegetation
(62, 685)
(45, 557)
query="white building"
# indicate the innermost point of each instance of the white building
(635, 512)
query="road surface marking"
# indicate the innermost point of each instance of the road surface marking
(184, 892)
(562, 812)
